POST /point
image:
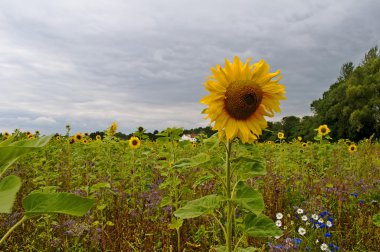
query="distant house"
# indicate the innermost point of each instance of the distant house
(188, 137)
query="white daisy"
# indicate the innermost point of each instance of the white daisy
(304, 218)
(324, 246)
(300, 211)
(320, 220)
(279, 216)
(315, 216)
(278, 223)
(301, 231)
(316, 241)
(328, 223)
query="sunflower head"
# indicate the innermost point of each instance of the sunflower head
(58, 137)
(134, 142)
(30, 136)
(304, 145)
(299, 138)
(112, 129)
(6, 135)
(241, 94)
(193, 145)
(28, 133)
(72, 140)
(323, 130)
(84, 141)
(352, 148)
(280, 135)
(98, 137)
(78, 136)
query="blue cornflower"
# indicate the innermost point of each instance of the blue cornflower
(354, 194)
(324, 213)
(330, 218)
(327, 234)
(279, 246)
(297, 241)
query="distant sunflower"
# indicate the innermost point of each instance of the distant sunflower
(299, 138)
(98, 137)
(323, 130)
(280, 135)
(113, 129)
(58, 138)
(352, 148)
(304, 145)
(240, 96)
(193, 145)
(134, 142)
(6, 135)
(84, 141)
(78, 137)
(30, 136)
(86, 134)
(72, 140)
(28, 133)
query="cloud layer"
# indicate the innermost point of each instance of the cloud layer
(88, 63)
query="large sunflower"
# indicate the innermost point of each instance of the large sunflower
(240, 96)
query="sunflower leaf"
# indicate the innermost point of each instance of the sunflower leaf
(9, 186)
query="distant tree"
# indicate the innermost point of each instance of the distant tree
(291, 127)
(351, 106)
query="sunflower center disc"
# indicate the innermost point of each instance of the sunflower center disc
(243, 97)
(134, 142)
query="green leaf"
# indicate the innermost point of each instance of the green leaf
(195, 161)
(198, 207)
(249, 198)
(176, 223)
(98, 186)
(51, 203)
(165, 201)
(376, 219)
(11, 151)
(260, 226)
(248, 167)
(9, 187)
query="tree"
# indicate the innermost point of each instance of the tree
(351, 106)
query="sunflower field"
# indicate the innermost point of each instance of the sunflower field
(229, 191)
(317, 194)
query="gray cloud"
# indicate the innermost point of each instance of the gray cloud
(89, 63)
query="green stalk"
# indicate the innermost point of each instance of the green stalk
(229, 198)
(12, 228)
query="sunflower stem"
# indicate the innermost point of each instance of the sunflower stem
(229, 197)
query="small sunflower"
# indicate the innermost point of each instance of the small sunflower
(112, 129)
(352, 148)
(28, 133)
(86, 134)
(58, 138)
(78, 136)
(6, 135)
(30, 136)
(304, 145)
(98, 137)
(280, 135)
(72, 140)
(323, 130)
(269, 142)
(193, 145)
(299, 138)
(134, 142)
(84, 141)
(240, 96)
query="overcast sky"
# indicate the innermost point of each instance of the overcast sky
(88, 63)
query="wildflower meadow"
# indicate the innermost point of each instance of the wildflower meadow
(226, 191)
